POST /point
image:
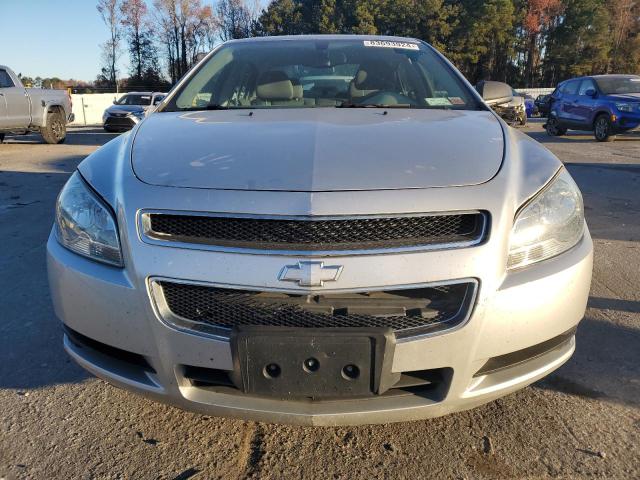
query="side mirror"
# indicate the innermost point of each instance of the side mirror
(115, 102)
(591, 92)
(494, 93)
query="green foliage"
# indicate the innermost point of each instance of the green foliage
(580, 44)
(523, 42)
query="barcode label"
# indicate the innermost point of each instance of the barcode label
(390, 44)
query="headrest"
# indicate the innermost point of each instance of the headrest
(274, 85)
(298, 91)
(356, 88)
(360, 77)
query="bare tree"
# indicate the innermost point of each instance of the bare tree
(184, 24)
(134, 20)
(111, 15)
(236, 18)
(202, 34)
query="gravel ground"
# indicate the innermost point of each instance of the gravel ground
(58, 422)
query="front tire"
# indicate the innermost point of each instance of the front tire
(602, 129)
(553, 128)
(55, 129)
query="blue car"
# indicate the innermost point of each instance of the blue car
(603, 104)
(529, 103)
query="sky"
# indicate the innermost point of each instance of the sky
(56, 38)
(50, 38)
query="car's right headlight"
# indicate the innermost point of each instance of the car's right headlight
(624, 107)
(85, 225)
(551, 223)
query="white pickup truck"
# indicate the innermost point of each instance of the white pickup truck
(25, 110)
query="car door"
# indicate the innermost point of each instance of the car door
(566, 103)
(16, 101)
(3, 102)
(584, 104)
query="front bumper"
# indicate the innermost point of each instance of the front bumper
(122, 123)
(627, 121)
(525, 309)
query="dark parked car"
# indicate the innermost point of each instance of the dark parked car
(129, 109)
(543, 103)
(604, 104)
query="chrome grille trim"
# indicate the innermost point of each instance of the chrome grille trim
(166, 316)
(147, 235)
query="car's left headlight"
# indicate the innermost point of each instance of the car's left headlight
(85, 224)
(551, 223)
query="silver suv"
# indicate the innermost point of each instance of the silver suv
(321, 230)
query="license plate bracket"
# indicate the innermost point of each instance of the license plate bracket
(313, 363)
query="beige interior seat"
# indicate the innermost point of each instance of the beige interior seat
(276, 88)
(358, 81)
(371, 78)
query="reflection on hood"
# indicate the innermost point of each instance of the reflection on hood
(126, 108)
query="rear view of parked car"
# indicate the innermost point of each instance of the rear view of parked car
(603, 104)
(24, 110)
(129, 109)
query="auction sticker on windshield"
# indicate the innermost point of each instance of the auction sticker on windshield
(390, 44)
(437, 101)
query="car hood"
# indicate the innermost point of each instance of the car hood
(321, 149)
(625, 97)
(125, 108)
(516, 101)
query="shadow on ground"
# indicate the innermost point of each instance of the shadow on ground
(31, 353)
(605, 363)
(84, 136)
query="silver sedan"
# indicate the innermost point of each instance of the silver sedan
(322, 230)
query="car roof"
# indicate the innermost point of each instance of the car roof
(616, 75)
(324, 37)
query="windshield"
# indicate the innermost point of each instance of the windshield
(613, 85)
(310, 73)
(134, 100)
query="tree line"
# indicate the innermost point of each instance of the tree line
(526, 43)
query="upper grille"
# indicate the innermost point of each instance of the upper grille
(407, 312)
(319, 234)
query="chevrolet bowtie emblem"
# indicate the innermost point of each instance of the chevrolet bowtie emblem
(310, 274)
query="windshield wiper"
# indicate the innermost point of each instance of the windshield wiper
(202, 108)
(347, 104)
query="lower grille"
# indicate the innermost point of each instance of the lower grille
(119, 122)
(432, 384)
(407, 312)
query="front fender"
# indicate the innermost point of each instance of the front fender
(103, 167)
